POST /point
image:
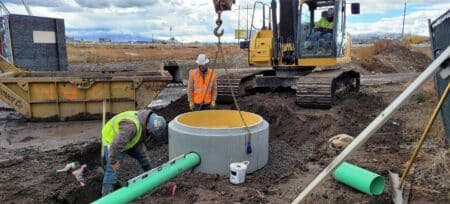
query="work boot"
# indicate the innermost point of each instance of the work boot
(107, 189)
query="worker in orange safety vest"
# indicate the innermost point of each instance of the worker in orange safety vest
(202, 86)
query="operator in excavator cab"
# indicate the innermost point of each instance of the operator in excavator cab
(202, 86)
(125, 134)
(324, 27)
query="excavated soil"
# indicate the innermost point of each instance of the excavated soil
(298, 151)
(393, 57)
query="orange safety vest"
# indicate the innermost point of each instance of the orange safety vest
(203, 88)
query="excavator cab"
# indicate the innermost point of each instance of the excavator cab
(321, 28)
(308, 33)
(318, 30)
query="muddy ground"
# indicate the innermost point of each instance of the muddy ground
(298, 151)
(31, 152)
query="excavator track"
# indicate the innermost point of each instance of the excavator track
(236, 81)
(322, 89)
(319, 89)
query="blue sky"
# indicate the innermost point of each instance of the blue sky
(194, 20)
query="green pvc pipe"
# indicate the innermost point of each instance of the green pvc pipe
(162, 174)
(360, 179)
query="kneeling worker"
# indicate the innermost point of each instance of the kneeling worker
(125, 134)
(202, 86)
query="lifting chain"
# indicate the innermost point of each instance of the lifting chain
(219, 51)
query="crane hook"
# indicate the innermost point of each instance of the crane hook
(217, 33)
(218, 23)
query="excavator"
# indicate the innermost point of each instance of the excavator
(296, 55)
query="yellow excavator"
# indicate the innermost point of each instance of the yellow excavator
(303, 56)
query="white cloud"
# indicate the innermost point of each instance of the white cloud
(381, 6)
(195, 20)
(415, 22)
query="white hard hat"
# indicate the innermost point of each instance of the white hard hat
(202, 59)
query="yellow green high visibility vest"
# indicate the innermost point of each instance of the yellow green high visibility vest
(324, 23)
(111, 128)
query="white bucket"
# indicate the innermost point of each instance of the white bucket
(237, 172)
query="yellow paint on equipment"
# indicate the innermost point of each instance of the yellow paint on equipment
(218, 119)
(77, 95)
(261, 49)
(312, 62)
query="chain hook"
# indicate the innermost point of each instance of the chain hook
(218, 23)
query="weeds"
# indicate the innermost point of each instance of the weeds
(376, 48)
(420, 97)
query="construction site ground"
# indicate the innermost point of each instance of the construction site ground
(31, 152)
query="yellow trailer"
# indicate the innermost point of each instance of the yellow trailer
(77, 95)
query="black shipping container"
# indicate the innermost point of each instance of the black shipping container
(440, 40)
(38, 43)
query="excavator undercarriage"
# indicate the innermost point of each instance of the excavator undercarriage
(319, 89)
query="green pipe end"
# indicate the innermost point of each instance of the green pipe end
(360, 179)
(377, 185)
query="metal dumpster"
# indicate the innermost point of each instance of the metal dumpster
(440, 40)
(73, 95)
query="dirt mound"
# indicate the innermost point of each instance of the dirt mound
(298, 150)
(169, 113)
(357, 112)
(32, 175)
(175, 108)
(295, 126)
(389, 56)
(298, 146)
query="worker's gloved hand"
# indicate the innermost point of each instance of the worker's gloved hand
(191, 106)
(116, 166)
(213, 104)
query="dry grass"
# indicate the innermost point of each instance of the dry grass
(433, 162)
(434, 172)
(95, 52)
(414, 39)
(113, 52)
(424, 50)
(418, 112)
(376, 48)
(441, 162)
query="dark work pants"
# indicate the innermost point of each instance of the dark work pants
(110, 178)
(198, 107)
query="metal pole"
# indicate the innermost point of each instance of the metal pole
(3, 7)
(27, 7)
(103, 125)
(239, 24)
(404, 14)
(264, 17)
(247, 22)
(375, 125)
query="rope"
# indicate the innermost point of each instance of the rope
(220, 50)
